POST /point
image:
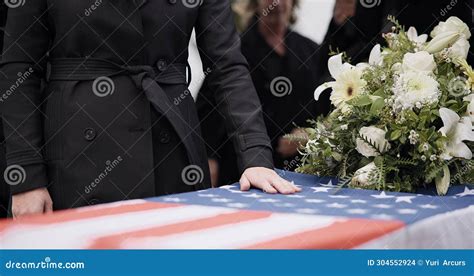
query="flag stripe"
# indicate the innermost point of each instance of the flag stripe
(340, 235)
(115, 241)
(80, 234)
(236, 235)
(87, 213)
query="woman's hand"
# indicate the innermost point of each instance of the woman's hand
(267, 180)
(32, 202)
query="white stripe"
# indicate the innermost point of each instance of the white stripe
(451, 230)
(236, 235)
(79, 234)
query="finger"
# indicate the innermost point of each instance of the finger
(244, 183)
(290, 185)
(268, 188)
(281, 186)
(48, 207)
(295, 187)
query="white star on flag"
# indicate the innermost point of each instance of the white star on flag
(320, 189)
(221, 200)
(428, 206)
(254, 195)
(336, 205)
(406, 199)
(173, 199)
(314, 200)
(407, 211)
(330, 184)
(466, 192)
(268, 200)
(382, 217)
(207, 195)
(339, 196)
(288, 205)
(358, 201)
(237, 205)
(295, 196)
(357, 211)
(306, 211)
(382, 195)
(382, 206)
(227, 187)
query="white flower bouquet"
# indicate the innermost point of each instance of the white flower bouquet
(402, 120)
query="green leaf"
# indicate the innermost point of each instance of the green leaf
(377, 106)
(395, 134)
(360, 101)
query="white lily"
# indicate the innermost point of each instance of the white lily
(442, 182)
(456, 130)
(347, 84)
(376, 58)
(413, 36)
(442, 41)
(470, 107)
(361, 176)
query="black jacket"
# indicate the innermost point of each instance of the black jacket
(4, 188)
(108, 69)
(282, 112)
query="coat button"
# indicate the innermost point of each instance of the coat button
(164, 137)
(172, 2)
(89, 134)
(162, 65)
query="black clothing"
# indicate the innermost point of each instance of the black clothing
(363, 31)
(107, 126)
(4, 189)
(283, 109)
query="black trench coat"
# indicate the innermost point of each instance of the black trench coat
(88, 110)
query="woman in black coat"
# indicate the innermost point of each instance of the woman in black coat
(4, 191)
(97, 107)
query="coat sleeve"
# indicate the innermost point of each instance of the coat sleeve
(23, 65)
(230, 80)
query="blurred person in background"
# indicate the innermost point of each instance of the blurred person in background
(358, 25)
(284, 66)
(4, 191)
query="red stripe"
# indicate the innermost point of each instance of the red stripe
(79, 214)
(339, 235)
(114, 241)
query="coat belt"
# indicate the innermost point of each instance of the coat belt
(146, 78)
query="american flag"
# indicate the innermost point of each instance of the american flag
(320, 217)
